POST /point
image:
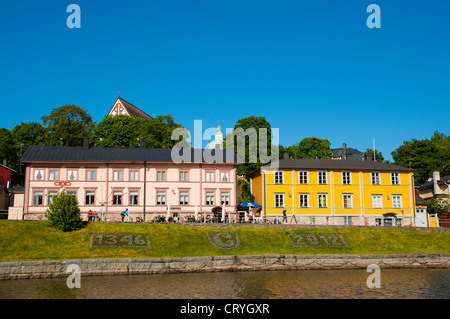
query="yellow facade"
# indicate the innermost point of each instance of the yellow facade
(331, 193)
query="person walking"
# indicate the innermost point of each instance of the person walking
(125, 212)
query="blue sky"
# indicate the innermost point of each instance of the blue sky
(312, 68)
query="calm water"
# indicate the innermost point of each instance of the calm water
(322, 284)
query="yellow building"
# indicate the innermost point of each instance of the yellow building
(335, 192)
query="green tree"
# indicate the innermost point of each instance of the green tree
(7, 151)
(252, 142)
(67, 125)
(311, 147)
(63, 212)
(127, 131)
(425, 156)
(438, 206)
(27, 134)
(243, 191)
(378, 154)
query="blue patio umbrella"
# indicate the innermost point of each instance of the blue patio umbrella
(249, 204)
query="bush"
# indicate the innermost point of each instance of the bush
(63, 213)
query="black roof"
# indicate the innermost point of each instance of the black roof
(133, 110)
(444, 179)
(306, 163)
(80, 154)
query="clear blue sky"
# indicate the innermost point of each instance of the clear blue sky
(312, 68)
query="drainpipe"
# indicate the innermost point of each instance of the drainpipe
(145, 183)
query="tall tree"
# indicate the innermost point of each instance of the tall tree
(127, 131)
(423, 155)
(27, 134)
(253, 141)
(7, 151)
(67, 125)
(311, 147)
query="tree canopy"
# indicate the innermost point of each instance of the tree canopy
(127, 131)
(425, 156)
(310, 147)
(67, 125)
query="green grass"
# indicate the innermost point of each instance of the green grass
(28, 240)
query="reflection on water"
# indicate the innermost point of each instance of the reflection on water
(320, 284)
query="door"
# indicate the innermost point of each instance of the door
(387, 222)
(421, 217)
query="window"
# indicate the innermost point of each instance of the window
(72, 175)
(38, 174)
(348, 220)
(37, 197)
(225, 198)
(73, 193)
(395, 178)
(90, 198)
(225, 177)
(346, 178)
(161, 198)
(161, 175)
(397, 201)
(184, 198)
(51, 194)
(118, 175)
(53, 175)
(398, 222)
(279, 177)
(347, 200)
(279, 199)
(117, 198)
(323, 200)
(134, 175)
(133, 198)
(209, 176)
(90, 175)
(377, 201)
(209, 198)
(184, 176)
(303, 177)
(322, 177)
(304, 200)
(375, 178)
(377, 221)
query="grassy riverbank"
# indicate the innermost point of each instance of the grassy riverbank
(27, 240)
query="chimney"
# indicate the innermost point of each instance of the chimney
(142, 144)
(349, 156)
(85, 142)
(436, 178)
(5, 162)
(368, 157)
(286, 155)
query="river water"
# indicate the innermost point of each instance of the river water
(304, 284)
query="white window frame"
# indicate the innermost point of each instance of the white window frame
(160, 198)
(39, 173)
(53, 175)
(90, 175)
(397, 201)
(184, 198)
(224, 176)
(134, 175)
(377, 199)
(51, 194)
(346, 180)
(209, 198)
(303, 200)
(319, 201)
(225, 198)
(74, 173)
(133, 198)
(279, 200)
(377, 179)
(303, 179)
(395, 178)
(321, 176)
(118, 175)
(278, 177)
(349, 197)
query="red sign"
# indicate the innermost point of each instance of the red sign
(62, 183)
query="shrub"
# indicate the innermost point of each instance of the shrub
(63, 212)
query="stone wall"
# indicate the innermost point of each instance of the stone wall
(128, 266)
